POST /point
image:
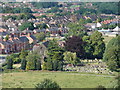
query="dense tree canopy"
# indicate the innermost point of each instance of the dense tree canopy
(9, 62)
(98, 44)
(44, 4)
(75, 44)
(55, 56)
(33, 61)
(77, 29)
(70, 58)
(26, 25)
(112, 54)
(16, 10)
(88, 47)
(40, 36)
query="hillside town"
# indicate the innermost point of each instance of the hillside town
(19, 40)
(46, 39)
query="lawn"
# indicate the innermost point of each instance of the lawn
(64, 79)
(107, 39)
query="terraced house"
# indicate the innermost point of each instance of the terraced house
(16, 44)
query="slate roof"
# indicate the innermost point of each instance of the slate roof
(24, 39)
(33, 37)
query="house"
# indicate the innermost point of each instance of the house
(90, 25)
(25, 42)
(41, 49)
(31, 38)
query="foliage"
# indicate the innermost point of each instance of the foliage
(16, 10)
(112, 54)
(23, 64)
(88, 21)
(70, 57)
(54, 10)
(38, 65)
(15, 58)
(77, 29)
(23, 54)
(85, 11)
(104, 26)
(47, 84)
(98, 44)
(75, 44)
(44, 66)
(7, 37)
(49, 65)
(100, 87)
(42, 26)
(9, 62)
(26, 25)
(55, 54)
(107, 8)
(88, 47)
(112, 26)
(32, 60)
(40, 36)
(44, 4)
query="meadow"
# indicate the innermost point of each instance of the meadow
(65, 79)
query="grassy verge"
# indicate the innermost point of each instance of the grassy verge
(64, 79)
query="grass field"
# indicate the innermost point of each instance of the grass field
(64, 79)
(107, 39)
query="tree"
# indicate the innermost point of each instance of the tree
(23, 64)
(9, 62)
(49, 65)
(70, 57)
(7, 37)
(60, 66)
(98, 44)
(105, 26)
(88, 21)
(26, 25)
(40, 36)
(47, 84)
(44, 4)
(23, 54)
(55, 65)
(15, 58)
(77, 29)
(75, 44)
(31, 61)
(88, 47)
(38, 65)
(112, 26)
(112, 54)
(55, 54)
(100, 87)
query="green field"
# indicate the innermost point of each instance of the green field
(64, 79)
(107, 39)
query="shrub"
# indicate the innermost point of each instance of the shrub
(100, 87)
(23, 64)
(47, 84)
(44, 66)
(9, 62)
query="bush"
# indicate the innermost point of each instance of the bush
(9, 62)
(100, 87)
(44, 66)
(47, 84)
(23, 64)
(38, 65)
